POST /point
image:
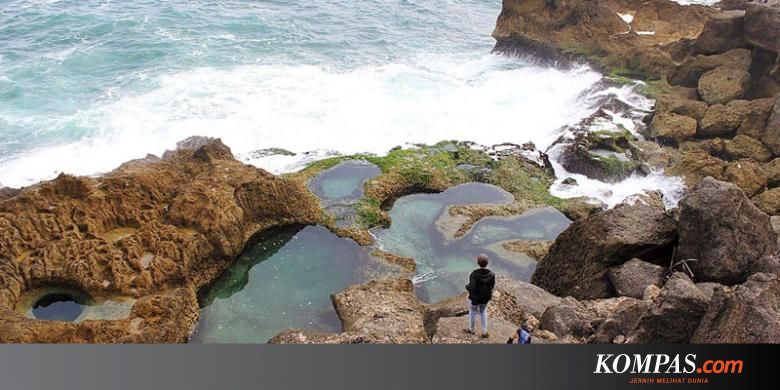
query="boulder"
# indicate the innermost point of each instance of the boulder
(578, 261)
(744, 147)
(744, 314)
(747, 175)
(621, 322)
(692, 68)
(756, 117)
(762, 27)
(772, 137)
(720, 120)
(383, 311)
(533, 299)
(723, 84)
(592, 320)
(723, 31)
(768, 201)
(723, 231)
(581, 207)
(631, 278)
(670, 103)
(772, 170)
(674, 315)
(695, 165)
(672, 127)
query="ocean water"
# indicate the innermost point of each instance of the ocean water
(88, 84)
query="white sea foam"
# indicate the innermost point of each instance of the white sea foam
(314, 111)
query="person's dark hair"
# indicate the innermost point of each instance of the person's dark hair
(482, 260)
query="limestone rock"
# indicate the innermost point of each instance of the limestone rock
(724, 231)
(744, 147)
(533, 299)
(680, 106)
(720, 120)
(762, 27)
(772, 137)
(384, 311)
(723, 84)
(578, 261)
(768, 201)
(632, 277)
(579, 208)
(722, 32)
(747, 175)
(745, 314)
(695, 165)
(691, 70)
(772, 170)
(673, 127)
(191, 212)
(674, 315)
(754, 123)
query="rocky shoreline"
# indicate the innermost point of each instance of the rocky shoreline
(156, 232)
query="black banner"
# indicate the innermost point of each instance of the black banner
(376, 367)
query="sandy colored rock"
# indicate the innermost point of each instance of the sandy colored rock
(745, 314)
(533, 299)
(723, 31)
(154, 230)
(744, 147)
(720, 120)
(772, 170)
(674, 315)
(723, 231)
(578, 261)
(692, 68)
(747, 175)
(533, 248)
(579, 208)
(680, 106)
(723, 84)
(772, 137)
(383, 311)
(451, 331)
(673, 127)
(631, 278)
(768, 201)
(762, 26)
(756, 116)
(695, 165)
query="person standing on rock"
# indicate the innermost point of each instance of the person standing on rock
(480, 288)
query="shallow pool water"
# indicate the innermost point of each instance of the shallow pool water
(341, 186)
(444, 265)
(284, 281)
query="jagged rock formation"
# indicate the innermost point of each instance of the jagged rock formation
(578, 262)
(154, 230)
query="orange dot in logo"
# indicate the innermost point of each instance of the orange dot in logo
(698, 370)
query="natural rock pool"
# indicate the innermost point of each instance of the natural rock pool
(70, 305)
(341, 186)
(443, 265)
(282, 282)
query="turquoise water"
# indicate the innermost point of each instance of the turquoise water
(339, 188)
(443, 266)
(283, 282)
(88, 84)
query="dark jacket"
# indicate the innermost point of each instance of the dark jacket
(480, 287)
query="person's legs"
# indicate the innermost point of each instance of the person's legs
(472, 316)
(483, 317)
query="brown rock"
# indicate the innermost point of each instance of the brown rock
(747, 175)
(681, 106)
(579, 208)
(691, 70)
(451, 331)
(756, 117)
(722, 32)
(772, 137)
(384, 311)
(577, 263)
(720, 120)
(772, 170)
(153, 231)
(723, 231)
(744, 147)
(632, 277)
(695, 165)
(768, 201)
(745, 314)
(672, 127)
(674, 315)
(533, 299)
(762, 27)
(723, 84)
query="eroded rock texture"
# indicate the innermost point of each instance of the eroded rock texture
(154, 230)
